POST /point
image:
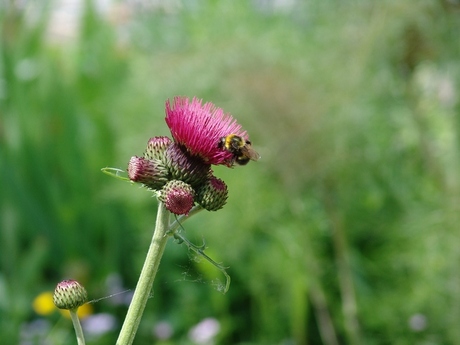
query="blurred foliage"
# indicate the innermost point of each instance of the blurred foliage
(345, 232)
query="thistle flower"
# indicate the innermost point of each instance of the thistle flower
(199, 128)
(69, 294)
(177, 196)
(212, 195)
(180, 172)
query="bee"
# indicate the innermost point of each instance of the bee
(241, 149)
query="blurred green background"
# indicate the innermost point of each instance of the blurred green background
(345, 232)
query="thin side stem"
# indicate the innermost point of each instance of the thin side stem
(77, 326)
(147, 276)
(177, 223)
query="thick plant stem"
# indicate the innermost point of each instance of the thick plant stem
(145, 283)
(77, 326)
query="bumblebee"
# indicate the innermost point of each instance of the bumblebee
(240, 148)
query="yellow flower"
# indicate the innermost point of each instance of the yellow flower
(43, 303)
(82, 311)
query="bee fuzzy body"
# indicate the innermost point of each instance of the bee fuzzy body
(240, 148)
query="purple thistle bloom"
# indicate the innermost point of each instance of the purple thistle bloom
(198, 128)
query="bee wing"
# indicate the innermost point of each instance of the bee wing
(248, 151)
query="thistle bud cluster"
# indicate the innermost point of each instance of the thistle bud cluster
(181, 179)
(179, 169)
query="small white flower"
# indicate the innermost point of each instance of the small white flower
(205, 331)
(99, 324)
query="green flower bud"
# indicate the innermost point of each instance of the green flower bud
(156, 148)
(69, 294)
(185, 167)
(212, 195)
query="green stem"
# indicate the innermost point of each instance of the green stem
(177, 223)
(145, 283)
(77, 326)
